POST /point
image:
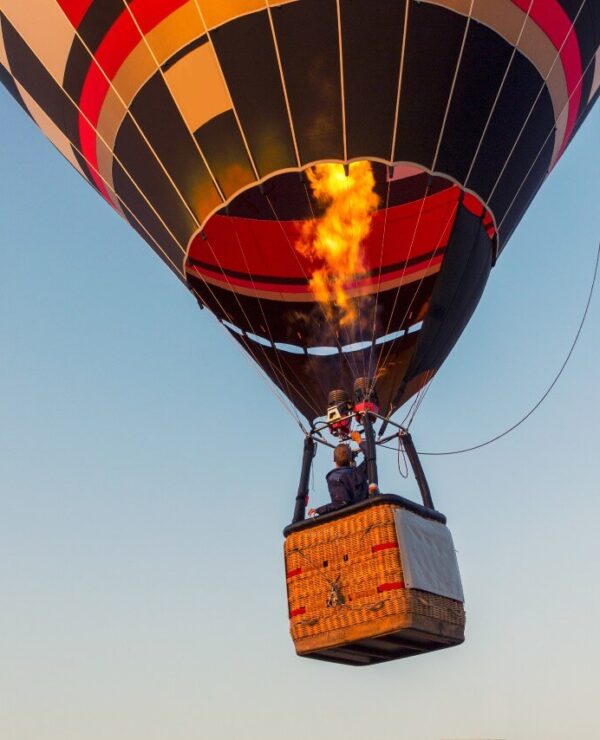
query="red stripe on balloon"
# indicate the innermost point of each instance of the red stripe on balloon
(117, 45)
(241, 245)
(75, 10)
(277, 288)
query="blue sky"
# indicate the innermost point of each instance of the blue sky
(146, 473)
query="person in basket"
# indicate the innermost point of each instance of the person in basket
(347, 482)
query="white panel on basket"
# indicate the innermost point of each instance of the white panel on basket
(428, 557)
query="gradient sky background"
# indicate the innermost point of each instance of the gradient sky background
(146, 473)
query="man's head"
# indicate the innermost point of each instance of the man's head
(342, 455)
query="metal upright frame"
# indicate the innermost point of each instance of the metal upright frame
(315, 436)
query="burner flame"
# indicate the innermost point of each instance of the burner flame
(333, 242)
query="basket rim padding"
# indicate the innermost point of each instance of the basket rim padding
(382, 498)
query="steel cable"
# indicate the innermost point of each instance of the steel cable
(547, 391)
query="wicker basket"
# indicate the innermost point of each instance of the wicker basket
(347, 598)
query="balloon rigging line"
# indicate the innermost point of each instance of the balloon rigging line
(540, 150)
(282, 78)
(453, 87)
(427, 189)
(392, 158)
(177, 269)
(422, 395)
(342, 84)
(535, 102)
(310, 401)
(314, 218)
(414, 235)
(550, 387)
(268, 328)
(587, 67)
(160, 70)
(222, 75)
(392, 312)
(249, 322)
(159, 218)
(370, 374)
(400, 81)
(176, 189)
(161, 164)
(136, 124)
(174, 186)
(498, 94)
(353, 370)
(153, 240)
(415, 293)
(506, 162)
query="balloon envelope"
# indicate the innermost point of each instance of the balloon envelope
(200, 122)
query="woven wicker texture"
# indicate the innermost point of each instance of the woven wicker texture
(347, 572)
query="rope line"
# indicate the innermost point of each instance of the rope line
(310, 400)
(350, 357)
(176, 241)
(426, 194)
(484, 133)
(353, 370)
(550, 387)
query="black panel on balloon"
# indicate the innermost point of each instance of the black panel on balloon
(148, 225)
(155, 112)
(432, 53)
(33, 76)
(98, 21)
(514, 106)
(76, 70)
(38, 82)
(307, 34)
(7, 81)
(372, 39)
(530, 160)
(285, 197)
(141, 164)
(457, 292)
(223, 147)
(247, 56)
(484, 62)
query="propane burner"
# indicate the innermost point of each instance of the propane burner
(365, 397)
(339, 413)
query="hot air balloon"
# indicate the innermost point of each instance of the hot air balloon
(333, 179)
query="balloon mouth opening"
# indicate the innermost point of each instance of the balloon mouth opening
(288, 201)
(324, 350)
(269, 264)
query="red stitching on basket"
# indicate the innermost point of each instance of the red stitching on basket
(384, 546)
(292, 573)
(390, 586)
(298, 612)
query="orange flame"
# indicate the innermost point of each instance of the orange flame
(335, 239)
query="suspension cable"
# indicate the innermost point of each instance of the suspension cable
(545, 395)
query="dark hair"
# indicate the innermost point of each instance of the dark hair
(342, 455)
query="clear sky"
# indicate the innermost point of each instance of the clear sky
(146, 473)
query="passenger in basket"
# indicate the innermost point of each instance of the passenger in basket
(347, 482)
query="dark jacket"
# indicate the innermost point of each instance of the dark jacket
(343, 484)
